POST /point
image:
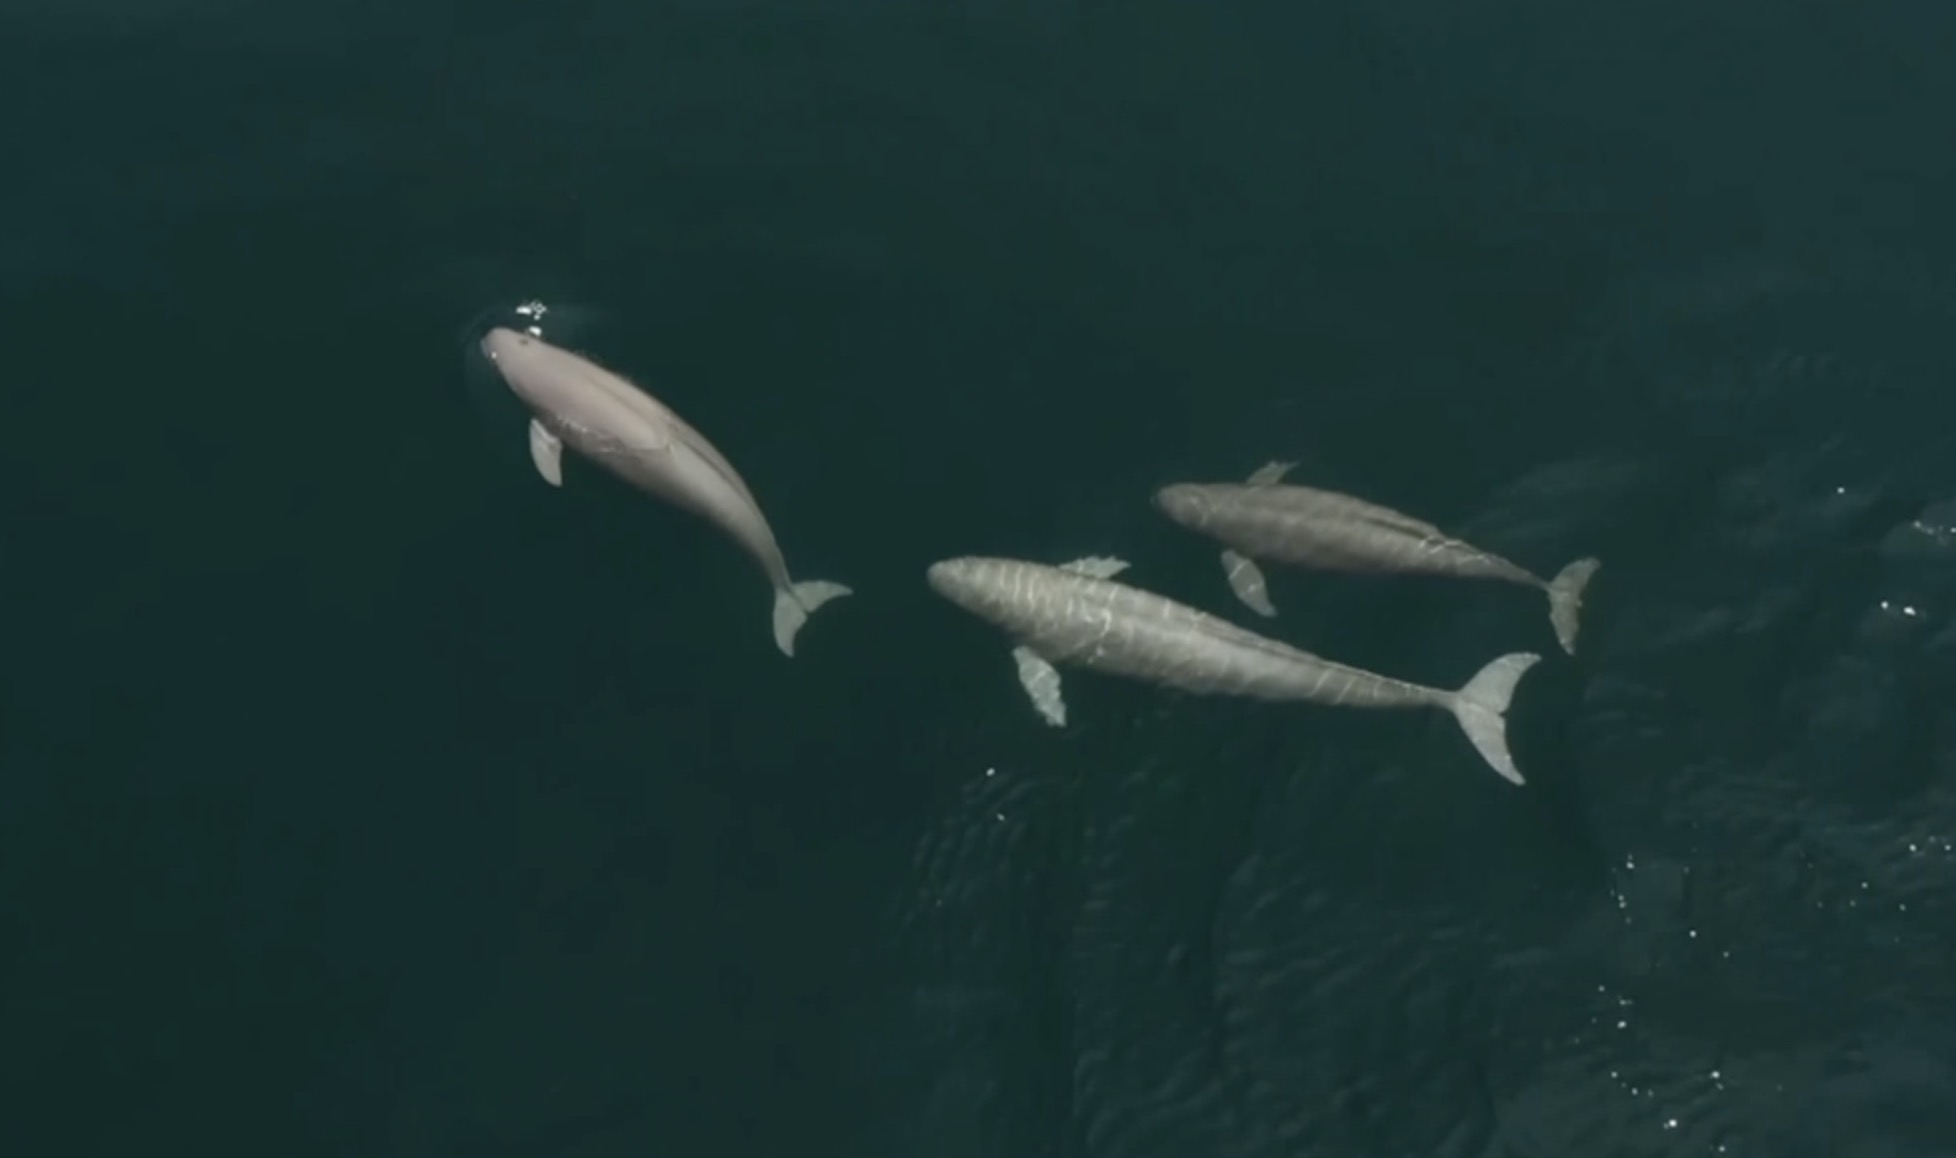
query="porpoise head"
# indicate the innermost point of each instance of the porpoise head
(993, 589)
(532, 369)
(951, 578)
(1186, 503)
(503, 344)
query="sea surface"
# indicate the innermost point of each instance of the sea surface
(360, 794)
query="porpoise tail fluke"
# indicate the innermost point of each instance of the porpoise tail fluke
(794, 604)
(1565, 600)
(1482, 709)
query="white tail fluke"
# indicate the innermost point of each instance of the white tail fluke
(793, 605)
(1565, 600)
(1482, 707)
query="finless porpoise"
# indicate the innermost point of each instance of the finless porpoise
(573, 401)
(1265, 518)
(1076, 614)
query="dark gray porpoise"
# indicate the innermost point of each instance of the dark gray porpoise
(575, 402)
(1076, 615)
(1305, 527)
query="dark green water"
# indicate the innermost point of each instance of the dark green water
(363, 795)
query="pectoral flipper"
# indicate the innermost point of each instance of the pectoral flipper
(1042, 682)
